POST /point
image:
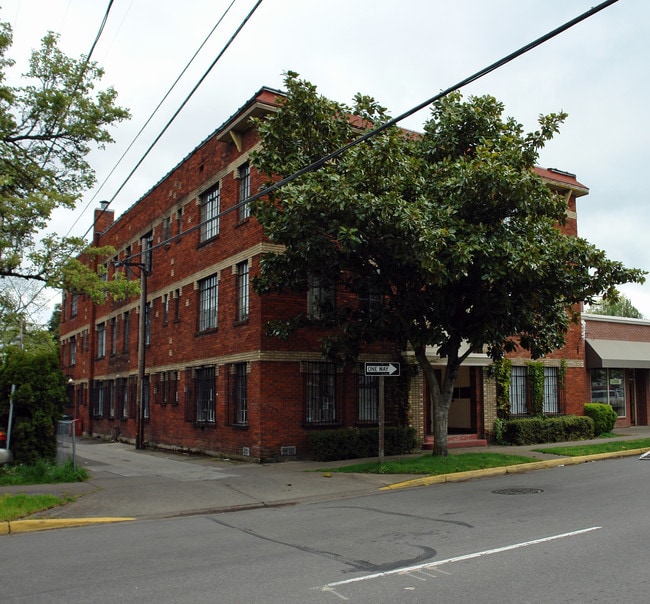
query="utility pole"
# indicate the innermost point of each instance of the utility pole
(142, 329)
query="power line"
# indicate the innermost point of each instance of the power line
(392, 122)
(180, 108)
(164, 98)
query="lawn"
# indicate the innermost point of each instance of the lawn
(430, 464)
(605, 447)
(20, 505)
(42, 472)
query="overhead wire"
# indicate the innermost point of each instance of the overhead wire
(176, 113)
(392, 122)
(153, 114)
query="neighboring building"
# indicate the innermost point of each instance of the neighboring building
(618, 362)
(213, 380)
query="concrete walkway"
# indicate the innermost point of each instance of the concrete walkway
(129, 484)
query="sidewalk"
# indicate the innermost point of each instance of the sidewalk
(127, 483)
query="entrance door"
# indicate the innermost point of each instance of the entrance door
(462, 412)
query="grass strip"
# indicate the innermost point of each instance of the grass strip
(605, 447)
(20, 505)
(433, 465)
(42, 472)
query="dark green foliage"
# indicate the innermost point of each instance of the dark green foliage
(533, 430)
(603, 415)
(353, 443)
(39, 401)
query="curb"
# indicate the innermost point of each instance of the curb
(516, 469)
(29, 526)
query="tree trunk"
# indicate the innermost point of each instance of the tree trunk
(440, 397)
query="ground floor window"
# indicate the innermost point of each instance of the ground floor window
(607, 386)
(205, 401)
(368, 397)
(320, 393)
(520, 395)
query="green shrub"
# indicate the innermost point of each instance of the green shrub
(603, 415)
(534, 430)
(352, 443)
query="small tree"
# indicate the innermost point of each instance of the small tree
(621, 306)
(48, 125)
(452, 229)
(39, 401)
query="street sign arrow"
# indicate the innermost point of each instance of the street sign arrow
(385, 369)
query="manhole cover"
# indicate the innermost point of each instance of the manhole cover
(517, 491)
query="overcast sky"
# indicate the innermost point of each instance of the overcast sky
(402, 52)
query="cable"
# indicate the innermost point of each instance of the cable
(164, 98)
(175, 115)
(472, 78)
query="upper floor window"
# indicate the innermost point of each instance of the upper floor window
(147, 324)
(126, 330)
(73, 350)
(166, 228)
(113, 335)
(165, 303)
(320, 298)
(244, 175)
(101, 340)
(147, 255)
(242, 291)
(208, 302)
(210, 208)
(74, 305)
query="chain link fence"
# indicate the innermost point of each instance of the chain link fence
(66, 442)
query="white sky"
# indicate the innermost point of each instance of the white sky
(402, 52)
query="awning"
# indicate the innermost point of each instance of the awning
(617, 354)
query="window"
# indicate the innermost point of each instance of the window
(368, 397)
(177, 305)
(73, 350)
(127, 256)
(74, 305)
(242, 291)
(179, 221)
(210, 208)
(320, 298)
(205, 401)
(98, 407)
(607, 387)
(122, 396)
(320, 393)
(145, 397)
(244, 175)
(113, 335)
(166, 228)
(240, 393)
(208, 302)
(147, 324)
(520, 403)
(126, 329)
(165, 303)
(110, 397)
(551, 398)
(101, 340)
(147, 244)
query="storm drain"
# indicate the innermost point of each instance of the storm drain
(517, 491)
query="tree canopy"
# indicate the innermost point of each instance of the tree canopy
(616, 307)
(48, 125)
(450, 228)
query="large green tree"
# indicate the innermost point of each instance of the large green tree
(451, 227)
(616, 307)
(48, 125)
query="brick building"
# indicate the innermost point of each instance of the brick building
(212, 380)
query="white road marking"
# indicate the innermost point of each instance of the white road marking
(487, 552)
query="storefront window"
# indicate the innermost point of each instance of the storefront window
(608, 387)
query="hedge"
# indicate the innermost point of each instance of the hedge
(534, 430)
(603, 415)
(352, 443)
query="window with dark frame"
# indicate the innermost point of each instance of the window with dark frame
(166, 229)
(321, 298)
(244, 175)
(240, 393)
(113, 335)
(368, 397)
(126, 330)
(208, 302)
(210, 207)
(101, 340)
(165, 304)
(242, 291)
(147, 253)
(205, 399)
(320, 393)
(73, 351)
(177, 305)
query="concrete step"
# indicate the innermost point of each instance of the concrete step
(456, 441)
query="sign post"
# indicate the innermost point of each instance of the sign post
(381, 370)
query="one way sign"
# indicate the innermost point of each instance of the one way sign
(390, 369)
